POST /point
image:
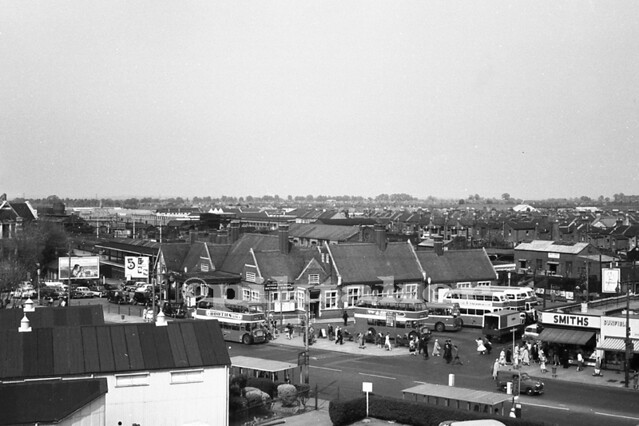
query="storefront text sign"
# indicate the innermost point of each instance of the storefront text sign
(616, 327)
(570, 320)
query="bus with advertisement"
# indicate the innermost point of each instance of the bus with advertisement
(475, 302)
(403, 317)
(241, 321)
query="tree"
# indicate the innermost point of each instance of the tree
(505, 196)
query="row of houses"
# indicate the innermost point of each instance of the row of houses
(326, 271)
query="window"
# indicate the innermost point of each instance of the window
(128, 380)
(204, 267)
(410, 291)
(246, 294)
(189, 376)
(483, 284)
(353, 296)
(255, 296)
(463, 285)
(250, 277)
(313, 278)
(330, 299)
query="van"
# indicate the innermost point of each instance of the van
(531, 332)
(526, 384)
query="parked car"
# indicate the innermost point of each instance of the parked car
(116, 296)
(49, 293)
(145, 297)
(98, 290)
(81, 293)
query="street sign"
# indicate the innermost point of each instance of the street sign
(271, 286)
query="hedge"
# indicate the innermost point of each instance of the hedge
(408, 412)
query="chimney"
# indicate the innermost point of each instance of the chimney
(380, 236)
(222, 236)
(235, 231)
(283, 234)
(192, 237)
(438, 245)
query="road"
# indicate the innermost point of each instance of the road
(340, 375)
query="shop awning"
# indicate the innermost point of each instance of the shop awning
(568, 337)
(617, 344)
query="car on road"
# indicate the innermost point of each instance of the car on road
(98, 290)
(526, 384)
(532, 331)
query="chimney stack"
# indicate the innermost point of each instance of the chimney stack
(438, 245)
(222, 236)
(283, 234)
(235, 231)
(380, 236)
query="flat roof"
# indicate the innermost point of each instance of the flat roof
(260, 364)
(459, 394)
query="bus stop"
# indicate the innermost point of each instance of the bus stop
(277, 371)
(459, 398)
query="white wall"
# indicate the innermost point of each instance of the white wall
(157, 401)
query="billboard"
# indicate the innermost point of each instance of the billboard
(136, 267)
(610, 280)
(87, 267)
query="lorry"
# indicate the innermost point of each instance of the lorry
(501, 325)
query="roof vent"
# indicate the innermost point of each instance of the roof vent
(160, 320)
(28, 306)
(24, 325)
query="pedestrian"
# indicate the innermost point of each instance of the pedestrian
(456, 359)
(387, 342)
(423, 345)
(448, 351)
(481, 349)
(496, 366)
(340, 336)
(580, 361)
(345, 317)
(525, 356)
(502, 357)
(488, 345)
(331, 332)
(411, 347)
(509, 356)
(635, 380)
(379, 340)
(436, 348)
(597, 367)
(360, 339)
(542, 362)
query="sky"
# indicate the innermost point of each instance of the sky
(102, 99)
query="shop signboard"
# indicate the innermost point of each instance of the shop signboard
(616, 327)
(570, 320)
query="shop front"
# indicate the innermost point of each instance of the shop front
(565, 335)
(612, 342)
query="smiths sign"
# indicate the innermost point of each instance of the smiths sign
(570, 320)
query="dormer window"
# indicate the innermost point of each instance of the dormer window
(251, 277)
(313, 278)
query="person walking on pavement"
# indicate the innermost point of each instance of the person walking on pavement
(542, 362)
(496, 366)
(502, 357)
(423, 345)
(387, 342)
(597, 367)
(411, 347)
(436, 348)
(580, 361)
(345, 317)
(481, 349)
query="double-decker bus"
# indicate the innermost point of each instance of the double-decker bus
(240, 321)
(402, 317)
(474, 302)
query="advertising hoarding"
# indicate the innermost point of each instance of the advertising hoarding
(610, 280)
(86, 267)
(136, 267)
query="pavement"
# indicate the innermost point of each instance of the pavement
(320, 416)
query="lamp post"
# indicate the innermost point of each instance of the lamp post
(38, 282)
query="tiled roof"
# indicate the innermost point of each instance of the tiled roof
(174, 255)
(457, 265)
(236, 257)
(366, 263)
(110, 349)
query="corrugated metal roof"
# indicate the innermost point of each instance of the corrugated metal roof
(111, 348)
